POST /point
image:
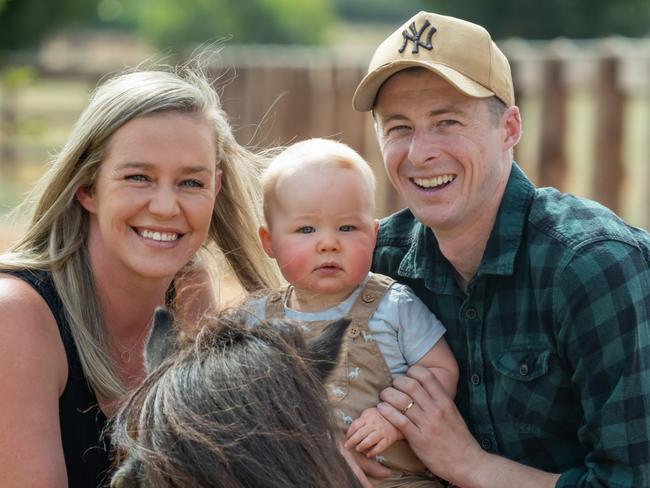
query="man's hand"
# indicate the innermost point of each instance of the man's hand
(432, 425)
(371, 433)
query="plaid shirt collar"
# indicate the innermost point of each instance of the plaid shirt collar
(424, 255)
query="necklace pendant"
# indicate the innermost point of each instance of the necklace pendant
(125, 356)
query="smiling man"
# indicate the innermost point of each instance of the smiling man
(545, 296)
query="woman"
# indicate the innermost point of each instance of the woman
(150, 174)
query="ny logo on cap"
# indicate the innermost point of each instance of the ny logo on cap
(415, 37)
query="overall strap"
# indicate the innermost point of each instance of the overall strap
(369, 298)
(274, 308)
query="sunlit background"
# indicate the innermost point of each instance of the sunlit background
(287, 69)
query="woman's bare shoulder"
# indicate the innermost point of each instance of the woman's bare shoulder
(28, 328)
(33, 375)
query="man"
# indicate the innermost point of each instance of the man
(546, 297)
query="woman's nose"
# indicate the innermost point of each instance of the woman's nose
(164, 202)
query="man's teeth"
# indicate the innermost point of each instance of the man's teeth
(159, 236)
(433, 182)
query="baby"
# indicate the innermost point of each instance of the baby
(321, 230)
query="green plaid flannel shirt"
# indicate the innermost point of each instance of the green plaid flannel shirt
(552, 336)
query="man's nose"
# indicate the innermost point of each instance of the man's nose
(424, 147)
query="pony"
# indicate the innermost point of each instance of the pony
(235, 406)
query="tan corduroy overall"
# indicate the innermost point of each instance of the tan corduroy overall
(359, 377)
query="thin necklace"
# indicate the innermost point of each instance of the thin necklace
(126, 352)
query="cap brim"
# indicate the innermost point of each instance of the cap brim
(364, 96)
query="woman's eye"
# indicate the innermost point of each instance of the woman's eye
(307, 229)
(193, 183)
(346, 228)
(136, 178)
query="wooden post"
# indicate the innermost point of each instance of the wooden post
(552, 155)
(608, 166)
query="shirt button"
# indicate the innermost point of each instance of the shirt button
(486, 444)
(470, 314)
(475, 379)
(523, 370)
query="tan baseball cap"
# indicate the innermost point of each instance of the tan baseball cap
(462, 53)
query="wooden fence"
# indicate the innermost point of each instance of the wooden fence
(585, 108)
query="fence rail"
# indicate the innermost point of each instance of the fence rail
(585, 107)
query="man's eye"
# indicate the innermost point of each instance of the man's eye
(346, 228)
(307, 229)
(448, 122)
(396, 129)
(193, 183)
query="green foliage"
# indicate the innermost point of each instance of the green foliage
(535, 19)
(175, 23)
(17, 77)
(170, 23)
(23, 23)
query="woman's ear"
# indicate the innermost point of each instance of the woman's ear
(86, 199)
(267, 242)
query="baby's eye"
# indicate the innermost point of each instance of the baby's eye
(307, 229)
(347, 228)
(193, 183)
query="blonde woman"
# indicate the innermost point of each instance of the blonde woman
(150, 175)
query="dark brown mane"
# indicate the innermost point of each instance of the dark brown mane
(237, 407)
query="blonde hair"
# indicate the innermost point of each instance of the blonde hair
(313, 153)
(55, 239)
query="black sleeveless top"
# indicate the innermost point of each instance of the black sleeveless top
(82, 422)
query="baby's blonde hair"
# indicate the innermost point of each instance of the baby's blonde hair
(313, 153)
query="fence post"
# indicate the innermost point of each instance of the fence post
(608, 165)
(553, 166)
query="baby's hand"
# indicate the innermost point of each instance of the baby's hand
(371, 433)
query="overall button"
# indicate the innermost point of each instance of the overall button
(486, 444)
(523, 370)
(368, 298)
(471, 314)
(353, 331)
(475, 379)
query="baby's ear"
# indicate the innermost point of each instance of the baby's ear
(161, 340)
(267, 242)
(324, 350)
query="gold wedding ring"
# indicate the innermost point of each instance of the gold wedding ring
(407, 407)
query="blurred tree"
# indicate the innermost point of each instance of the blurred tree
(23, 23)
(532, 19)
(535, 19)
(174, 22)
(386, 11)
(169, 23)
